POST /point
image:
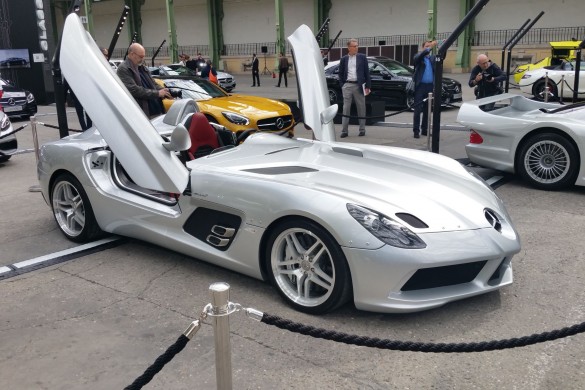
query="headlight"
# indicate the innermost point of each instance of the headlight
(236, 118)
(527, 76)
(30, 98)
(4, 123)
(385, 228)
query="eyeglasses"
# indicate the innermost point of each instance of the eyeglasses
(138, 55)
(353, 45)
(483, 63)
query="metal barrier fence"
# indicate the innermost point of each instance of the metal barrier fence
(221, 308)
(536, 36)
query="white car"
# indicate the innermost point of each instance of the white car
(533, 82)
(8, 142)
(391, 229)
(544, 143)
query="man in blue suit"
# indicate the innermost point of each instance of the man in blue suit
(354, 78)
(424, 75)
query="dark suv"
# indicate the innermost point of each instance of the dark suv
(389, 79)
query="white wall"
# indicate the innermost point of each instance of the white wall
(252, 21)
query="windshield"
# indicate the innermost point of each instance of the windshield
(396, 67)
(3, 82)
(179, 70)
(196, 89)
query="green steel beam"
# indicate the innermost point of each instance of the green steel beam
(321, 11)
(280, 42)
(173, 47)
(134, 22)
(432, 12)
(465, 39)
(89, 16)
(215, 20)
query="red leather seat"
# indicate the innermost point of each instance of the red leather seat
(203, 136)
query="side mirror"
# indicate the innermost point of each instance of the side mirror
(328, 114)
(386, 75)
(180, 140)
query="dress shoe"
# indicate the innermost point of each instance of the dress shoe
(362, 133)
(343, 135)
(252, 85)
(416, 135)
(277, 86)
(423, 133)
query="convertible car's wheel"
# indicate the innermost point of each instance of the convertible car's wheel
(308, 267)
(72, 210)
(539, 90)
(548, 161)
(333, 96)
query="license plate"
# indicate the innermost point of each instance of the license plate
(12, 108)
(457, 95)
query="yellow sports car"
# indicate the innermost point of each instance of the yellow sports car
(234, 111)
(561, 50)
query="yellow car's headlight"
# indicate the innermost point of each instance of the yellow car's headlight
(236, 118)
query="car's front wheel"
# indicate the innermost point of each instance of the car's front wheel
(539, 90)
(72, 210)
(334, 96)
(410, 100)
(308, 267)
(548, 161)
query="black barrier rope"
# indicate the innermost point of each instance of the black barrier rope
(14, 131)
(159, 363)
(396, 345)
(386, 116)
(57, 127)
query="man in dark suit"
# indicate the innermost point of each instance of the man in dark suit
(255, 70)
(424, 75)
(355, 82)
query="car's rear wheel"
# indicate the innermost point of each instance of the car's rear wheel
(72, 210)
(548, 161)
(308, 267)
(539, 90)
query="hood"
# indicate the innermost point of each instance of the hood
(313, 96)
(250, 105)
(452, 198)
(116, 114)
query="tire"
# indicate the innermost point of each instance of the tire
(538, 90)
(3, 159)
(333, 96)
(548, 161)
(72, 210)
(410, 100)
(313, 276)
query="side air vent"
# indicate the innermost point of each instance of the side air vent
(412, 220)
(216, 228)
(280, 170)
(493, 219)
(351, 152)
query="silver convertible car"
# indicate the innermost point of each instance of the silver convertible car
(542, 142)
(394, 230)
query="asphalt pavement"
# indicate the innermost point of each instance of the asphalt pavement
(97, 319)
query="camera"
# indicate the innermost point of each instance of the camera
(486, 76)
(176, 93)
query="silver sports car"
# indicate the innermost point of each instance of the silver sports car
(542, 142)
(396, 230)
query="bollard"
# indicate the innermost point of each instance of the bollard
(562, 89)
(546, 89)
(220, 295)
(33, 126)
(429, 116)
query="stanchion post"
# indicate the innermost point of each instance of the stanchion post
(562, 91)
(33, 126)
(546, 89)
(429, 116)
(220, 294)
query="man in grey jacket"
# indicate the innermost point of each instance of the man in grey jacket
(140, 84)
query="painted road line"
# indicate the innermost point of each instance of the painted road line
(65, 253)
(494, 179)
(5, 269)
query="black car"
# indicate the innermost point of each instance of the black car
(17, 102)
(389, 79)
(13, 61)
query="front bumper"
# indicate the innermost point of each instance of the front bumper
(455, 265)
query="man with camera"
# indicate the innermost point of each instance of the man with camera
(486, 77)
